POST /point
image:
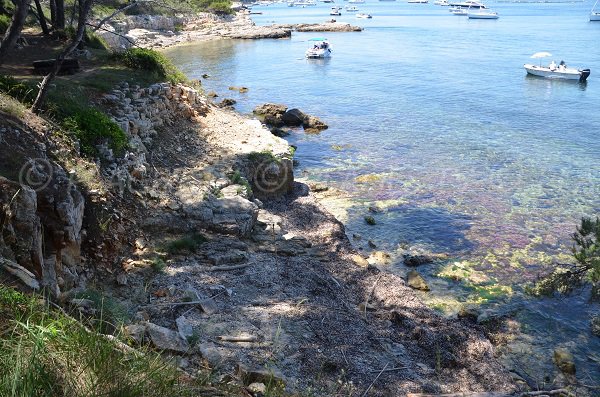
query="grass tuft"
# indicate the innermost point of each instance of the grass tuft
(186, 244)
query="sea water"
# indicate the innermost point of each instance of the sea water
(433, 120)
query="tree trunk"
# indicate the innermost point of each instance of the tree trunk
(14, 30)
(84, 8)
(60, 14)
(53, 13)
(42, 18)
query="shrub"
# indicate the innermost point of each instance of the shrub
(20, 91)
(586, 252)
(4, 23)
(151, 61)
(93, 127)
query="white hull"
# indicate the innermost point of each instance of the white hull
(595, 16)
(565, 74)
(318, 54)
(482, 15)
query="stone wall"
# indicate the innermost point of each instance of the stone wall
(139, 112)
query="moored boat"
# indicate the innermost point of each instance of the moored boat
(594, 15)
(457, 11)
(467, 4)
(363, 15)
(351, 8)
(482, 14)
(335, 11)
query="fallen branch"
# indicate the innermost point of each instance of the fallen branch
(374, 380)
(556, 392)
(245, 338)
(389, 369)
(227, 268)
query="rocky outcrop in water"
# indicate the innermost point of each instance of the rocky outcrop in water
(277, 115)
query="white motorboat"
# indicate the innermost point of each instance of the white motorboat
(467, 4)
(418, 1)
(304, 3)
(594, 15)
(351, 8)
(441, 3)
(319, 48)
(482, 14)
(457, 11)
(356, 1)
(364, 15)
(561, 71)
(336, 11)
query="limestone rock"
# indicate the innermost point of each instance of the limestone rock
(416, 281)
(166, 339)
(267, 376)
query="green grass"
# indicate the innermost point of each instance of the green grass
(186, 244)
(44, 352)
(4, 23)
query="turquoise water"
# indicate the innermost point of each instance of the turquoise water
(468, 155)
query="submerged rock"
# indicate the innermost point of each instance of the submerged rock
(416, 260)
(416, 281)
(564, 360)
(596, 325)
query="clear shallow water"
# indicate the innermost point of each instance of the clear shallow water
(468, 155)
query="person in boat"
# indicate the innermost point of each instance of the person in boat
(552, 66)
(562, 65)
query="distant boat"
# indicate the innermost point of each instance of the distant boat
(336, 11)
(363, 15)
(467, 4)
(457, 11)
(351, 8)
(482, 14)
(441, 3)
(418, 1)
(356, 1)
(595, 15)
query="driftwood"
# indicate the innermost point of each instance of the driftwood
(69, 66)
(20, 272)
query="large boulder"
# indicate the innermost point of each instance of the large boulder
(293, 117)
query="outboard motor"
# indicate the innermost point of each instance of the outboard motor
(584, 75)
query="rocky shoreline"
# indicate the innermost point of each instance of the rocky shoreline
(162, 32)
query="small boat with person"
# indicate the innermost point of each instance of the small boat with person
(364, 15)
(319, 48)
(554, 71)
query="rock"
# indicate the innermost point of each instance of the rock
(371, 244)
(564, 360)
(166, 339)
(280, 132)
(370, 220)
(136, 332)
(313, 123)
(209, 306)
(233, 215)
(257, 388)
(596, 325)
(227, 258)
(271, 376)
(416, 281)
(293, 117)
(416, 260)
(184, 327)
(380, 257)
(360, 261)
(212, 94)
(227, 102)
